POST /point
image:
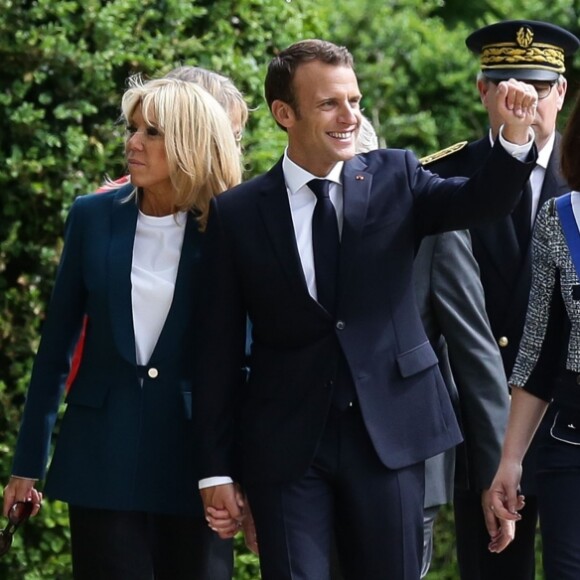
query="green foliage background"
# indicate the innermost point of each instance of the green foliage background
(63, 67)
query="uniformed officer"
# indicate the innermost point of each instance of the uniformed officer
(533, 52)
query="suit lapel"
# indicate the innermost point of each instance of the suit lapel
(356, 183)
(123, 225)
(277, 218)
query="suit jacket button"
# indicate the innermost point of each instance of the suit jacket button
(152, 373)
(340, 325)
(503, 341)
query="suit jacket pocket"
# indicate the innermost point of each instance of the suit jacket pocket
(566, 426)
(416, 359)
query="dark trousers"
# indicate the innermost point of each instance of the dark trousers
(559, 500)
(476, 562)
(119, 545)
(429, 515)
(375, 513)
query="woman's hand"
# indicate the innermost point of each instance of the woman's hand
(21, 489)
(505, 500)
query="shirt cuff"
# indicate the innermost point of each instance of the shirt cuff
(22, 477)
(520, 152)
(213, 481)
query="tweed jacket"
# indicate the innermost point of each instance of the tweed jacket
(554, 298)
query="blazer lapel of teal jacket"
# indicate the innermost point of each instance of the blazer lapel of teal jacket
(123, 225)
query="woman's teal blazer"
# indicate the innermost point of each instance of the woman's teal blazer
(126, 440)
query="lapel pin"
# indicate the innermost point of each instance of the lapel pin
(360, 177)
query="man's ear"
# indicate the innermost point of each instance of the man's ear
(283, 113)
(561, 89)
(483, 88)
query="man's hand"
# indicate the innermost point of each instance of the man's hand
(249, 529)
(501, 532)
(20, 489)
(516, 103)
(224, 509)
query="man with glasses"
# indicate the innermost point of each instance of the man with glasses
(532, 52)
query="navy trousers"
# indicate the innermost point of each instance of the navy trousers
(374, 513)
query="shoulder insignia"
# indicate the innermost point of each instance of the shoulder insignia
(443, 153)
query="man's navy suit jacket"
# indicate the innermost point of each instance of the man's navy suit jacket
(253, 267)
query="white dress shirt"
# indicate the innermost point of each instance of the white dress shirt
(156, 253)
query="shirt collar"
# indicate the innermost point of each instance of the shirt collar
(296, 177)
(544, 154)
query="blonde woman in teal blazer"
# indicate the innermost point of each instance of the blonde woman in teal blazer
(125, 459)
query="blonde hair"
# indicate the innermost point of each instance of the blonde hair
(201, 151)
(218, 86)
(367, 139)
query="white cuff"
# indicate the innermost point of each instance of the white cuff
(213, 481)
(520, 152)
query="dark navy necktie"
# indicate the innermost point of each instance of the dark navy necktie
(325, 244)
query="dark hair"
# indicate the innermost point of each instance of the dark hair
(279, 83)
(571, 147)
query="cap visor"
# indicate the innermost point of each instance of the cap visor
(520, 74)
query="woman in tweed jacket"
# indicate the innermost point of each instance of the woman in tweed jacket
(552, 326)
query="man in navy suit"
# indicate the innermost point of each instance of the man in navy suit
(345, 400)
(532, 52)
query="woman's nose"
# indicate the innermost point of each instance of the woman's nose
(135, 141)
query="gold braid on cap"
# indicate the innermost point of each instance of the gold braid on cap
(523, 53)
(542, 56)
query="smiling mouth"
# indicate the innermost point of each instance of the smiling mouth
(337, 135)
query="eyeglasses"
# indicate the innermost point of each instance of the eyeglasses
(543, 88)
(17, 515)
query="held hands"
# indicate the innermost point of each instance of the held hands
(227, 511)
(224, 509)
(20, 489)
(516, 103)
